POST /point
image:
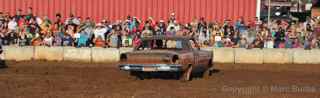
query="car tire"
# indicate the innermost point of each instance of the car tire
(137, 75)
(187, 75)
(208, 72)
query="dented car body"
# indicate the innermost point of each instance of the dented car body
(180, 55)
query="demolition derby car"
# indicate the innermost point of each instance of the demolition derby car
(179, 55)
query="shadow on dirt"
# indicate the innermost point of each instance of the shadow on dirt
(166, 75)
(3, 64)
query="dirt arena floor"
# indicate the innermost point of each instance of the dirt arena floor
(39, 79)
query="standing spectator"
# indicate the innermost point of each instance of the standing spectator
(46, 26)
(171, 32)
(12, 25)
(29, 14)
(240, 25)
(201, 25)
(11, 37)
(18, 15)
(32, 30)
(172, 19)
(99, 34)
(99, 31)
(204, 37)
(58, 27)
(88, 27)
(113, 39)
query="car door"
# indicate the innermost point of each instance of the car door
(195, 50)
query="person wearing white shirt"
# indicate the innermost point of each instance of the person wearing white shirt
(12, 25)
(48, 40)
(100, 31)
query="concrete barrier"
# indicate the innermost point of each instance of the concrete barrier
(77, 54)
(124, 50)
(223, 55)
(112, 55)
(48, 53)
(301, 56)
(105, 55)
(277, 56)
(248, 56)
(14, 53)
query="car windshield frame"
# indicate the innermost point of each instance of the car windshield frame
(184, 44)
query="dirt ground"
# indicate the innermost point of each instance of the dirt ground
(38, 79)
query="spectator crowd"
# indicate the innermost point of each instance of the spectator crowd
(27, 29)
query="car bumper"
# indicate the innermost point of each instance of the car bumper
(151, 67)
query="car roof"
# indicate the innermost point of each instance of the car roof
(168, 38)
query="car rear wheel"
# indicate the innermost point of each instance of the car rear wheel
(208, 72)
(137, 75)
(187, 75)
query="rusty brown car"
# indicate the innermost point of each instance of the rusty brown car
(179, 55)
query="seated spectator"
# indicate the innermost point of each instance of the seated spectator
(48, 40)
(227, 42)
(82, 41)
(242, 43)
(137, 42)
(126, 40)
(269, 43)
(57, 40)
(67, 40)
(290, 37)
(113, 39)
(257, 43)
(22, 40)
(11, 38)
(218, 41)
(296, 43)
(147, 32)
(37, 41)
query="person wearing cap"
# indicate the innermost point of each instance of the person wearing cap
(172, 18)
(45, 26)
(242, 43)
(162, 27)
(99, 31)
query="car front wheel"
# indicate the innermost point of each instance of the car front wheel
(187, 75)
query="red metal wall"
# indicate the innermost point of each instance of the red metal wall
(185, 10)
